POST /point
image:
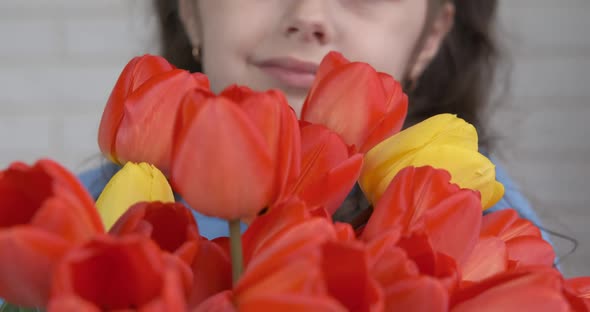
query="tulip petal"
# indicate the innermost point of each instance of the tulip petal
(271, 113)
(226, 170)
(416, 294)
(344, 232)
(71, 304)
(581, 285)
(391, 124)
(301, 276)
(454, 224)
(30, 255)
(538, 290)
(264, 228)
(171, 225)
(44, 210)
(524, 243)
(133, 184)
(49, 197)
(331, 61)
(488, 258)
(423, 199)
(578, 292)
(506, 224)
(349, 282)
(66, 184)
(355, 101)
(331, 191)
(125, 272)
(328, 172)
(444, 129)
(475, 171)
(389, 263)
(211, 271)
(155, 103)
(353, 91)
(135, 73)
(430, 262)
(301, 239)
(291, 303)
(140, 69)
(530, 250)
(221, 302)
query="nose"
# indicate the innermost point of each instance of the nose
(307, 21)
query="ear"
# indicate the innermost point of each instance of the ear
(188, 11)
(432, 39)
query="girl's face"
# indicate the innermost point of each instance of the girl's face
(279, 43)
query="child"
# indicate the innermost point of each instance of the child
(442, 51)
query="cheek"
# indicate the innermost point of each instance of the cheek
(227, 38)
(391, 38)
(220, 63)
(393, 57)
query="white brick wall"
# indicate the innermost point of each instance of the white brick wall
(59, 61)
(544, 128)
(60, 58)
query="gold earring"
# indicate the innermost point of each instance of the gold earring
(196, 53)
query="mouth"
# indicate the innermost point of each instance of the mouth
(290, 71)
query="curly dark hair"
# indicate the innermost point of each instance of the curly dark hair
(458, 80)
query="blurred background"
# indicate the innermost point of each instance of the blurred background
(59, 60)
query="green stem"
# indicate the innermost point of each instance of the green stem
(235, 242)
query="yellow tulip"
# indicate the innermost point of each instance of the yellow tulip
(134, 183)
(443, 141)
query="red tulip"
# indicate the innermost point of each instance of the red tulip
(277, 122)
(577, 290)
(211, 272)
(221, 302)
(265, 229)
(404, 283)
(352, 99)
(488, 258)
(329, 170)
(533, 289)
(422, 201)
(228, 163)
(301, 267)
(138, 121)
(286, 290)
(389, 263)
(421, 294)
(171, 225)
(44, 211)
(284, 272)
(302, 239)
(523, 239)
(506, 242)
(430, 262)
(349, 281)
(117, 273)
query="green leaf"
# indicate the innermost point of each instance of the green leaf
(7, 307)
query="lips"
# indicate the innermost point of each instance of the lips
(290, 71)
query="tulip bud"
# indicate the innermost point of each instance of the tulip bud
(133, 184)
(444, 142)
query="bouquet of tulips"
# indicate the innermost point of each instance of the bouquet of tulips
(243, 156)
